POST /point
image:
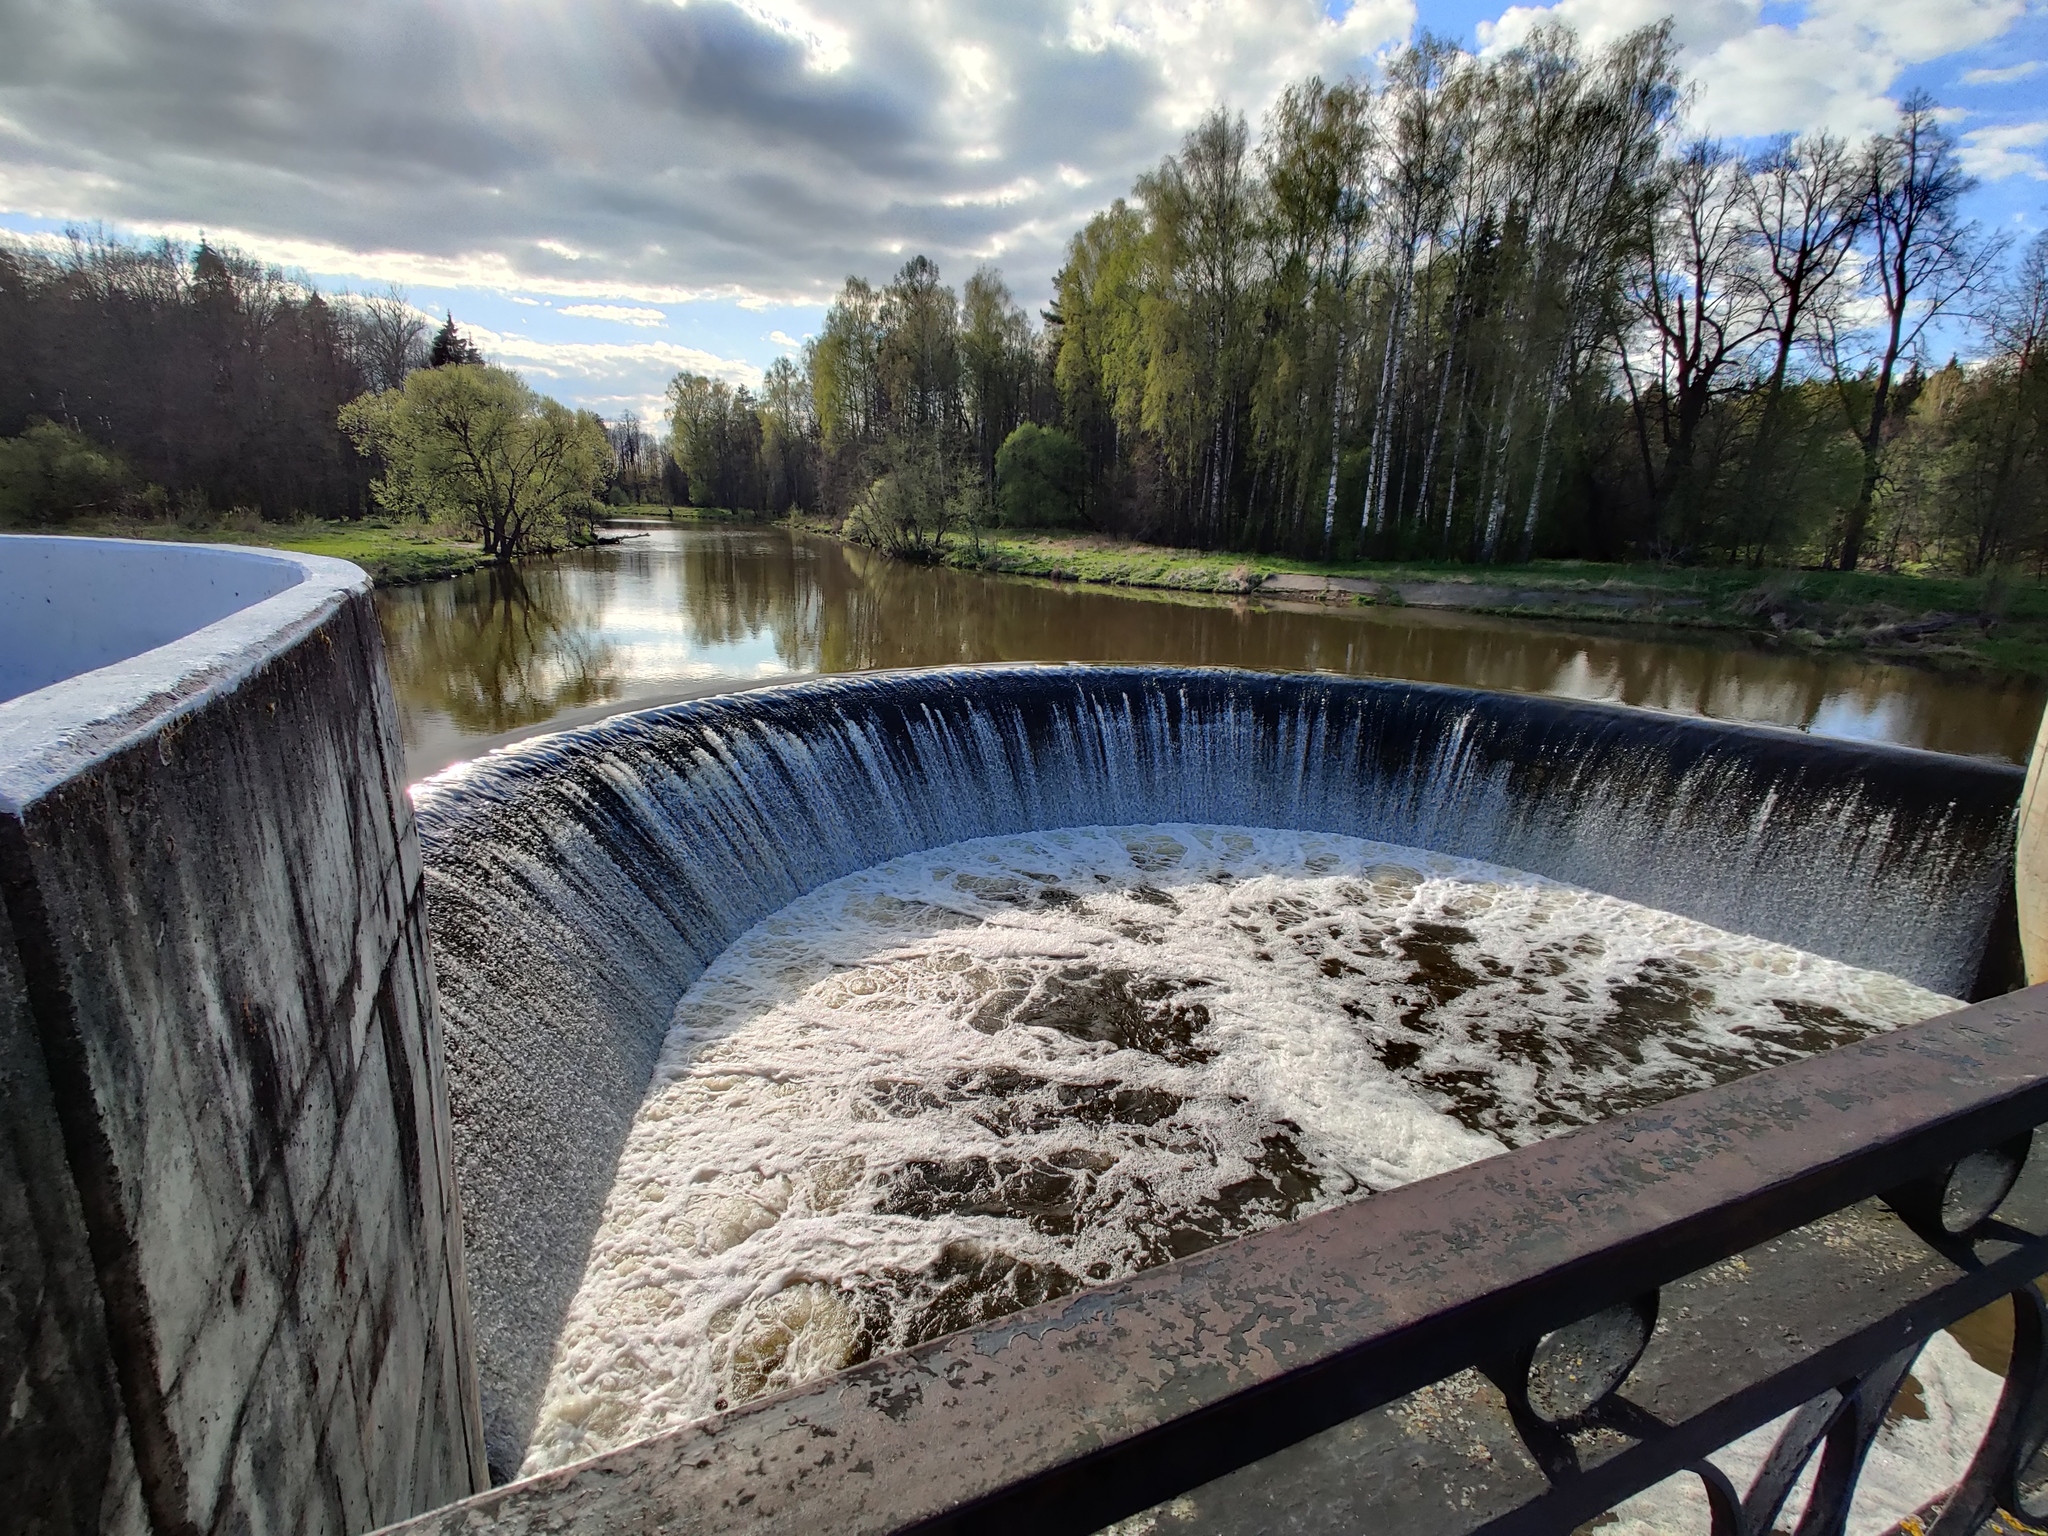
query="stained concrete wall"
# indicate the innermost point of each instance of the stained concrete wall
(231, 1284)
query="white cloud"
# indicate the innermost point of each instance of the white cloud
(827, 48)
(601, 360)
(617, 155)
(1992, 154)
(2005, 76)
(487, 270)
(650, 407)
(610, 378)
(786, 341)
(1832, 67)
(1236, 51)
(650, 152)
(621, 314)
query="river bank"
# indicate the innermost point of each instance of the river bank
(1984, 626)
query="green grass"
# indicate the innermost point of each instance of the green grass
(393, 556)
(393, 553)
(2002, 628)
(699, 514)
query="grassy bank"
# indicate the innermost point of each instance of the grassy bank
(393, 553)
(1983, 625)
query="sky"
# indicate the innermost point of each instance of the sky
(604, 192)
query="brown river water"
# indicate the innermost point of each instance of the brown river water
(693, 609)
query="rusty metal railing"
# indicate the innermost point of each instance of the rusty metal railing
(1639, 1293)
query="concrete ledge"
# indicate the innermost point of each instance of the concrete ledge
(231, 1283)
(75, 605)
(101, 697)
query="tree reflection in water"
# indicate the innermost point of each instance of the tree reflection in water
(505, 647)
(693, 609)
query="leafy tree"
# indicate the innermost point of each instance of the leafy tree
(715, 436)
(1923, 259)
(907, 510)
(1490, 308)
(998, 365)
(474, 446)
(50, 473)
(789, 439)
(1041, 475)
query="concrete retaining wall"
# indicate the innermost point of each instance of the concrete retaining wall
(231, 1284)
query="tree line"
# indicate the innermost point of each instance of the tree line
(1479, 310)
(159, 380)
(1474, 309)
(196, 371)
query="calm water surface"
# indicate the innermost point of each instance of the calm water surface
(690, 610)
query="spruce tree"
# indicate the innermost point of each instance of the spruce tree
(451, 346)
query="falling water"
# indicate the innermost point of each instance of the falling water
(580, 885)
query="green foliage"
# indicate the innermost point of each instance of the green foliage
(1041, 477)
(52, 473)
(908, 510)
(915, 363)
(741, 451)
(474, 447)
(451, 348)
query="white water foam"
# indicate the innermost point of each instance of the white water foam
(1922, 1450)
(980, 1076)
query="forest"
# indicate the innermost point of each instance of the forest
(156, 382)
(1478, 310)
(185, 380)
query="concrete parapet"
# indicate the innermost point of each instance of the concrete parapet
(2030, 865)
(231, 1285)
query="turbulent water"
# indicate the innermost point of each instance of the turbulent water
(978, 1077)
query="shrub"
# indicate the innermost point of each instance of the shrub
(1041, 474)
(906, 511)
(52, 473)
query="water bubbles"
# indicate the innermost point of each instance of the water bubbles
(976, 1079)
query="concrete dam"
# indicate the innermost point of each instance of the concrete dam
(305, 1230)
(580, 884)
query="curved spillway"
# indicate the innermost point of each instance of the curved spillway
(580, 883)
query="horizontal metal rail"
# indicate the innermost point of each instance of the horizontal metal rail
(1075, 1414)
(1740, 1343)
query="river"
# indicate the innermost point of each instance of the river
(683, 610)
